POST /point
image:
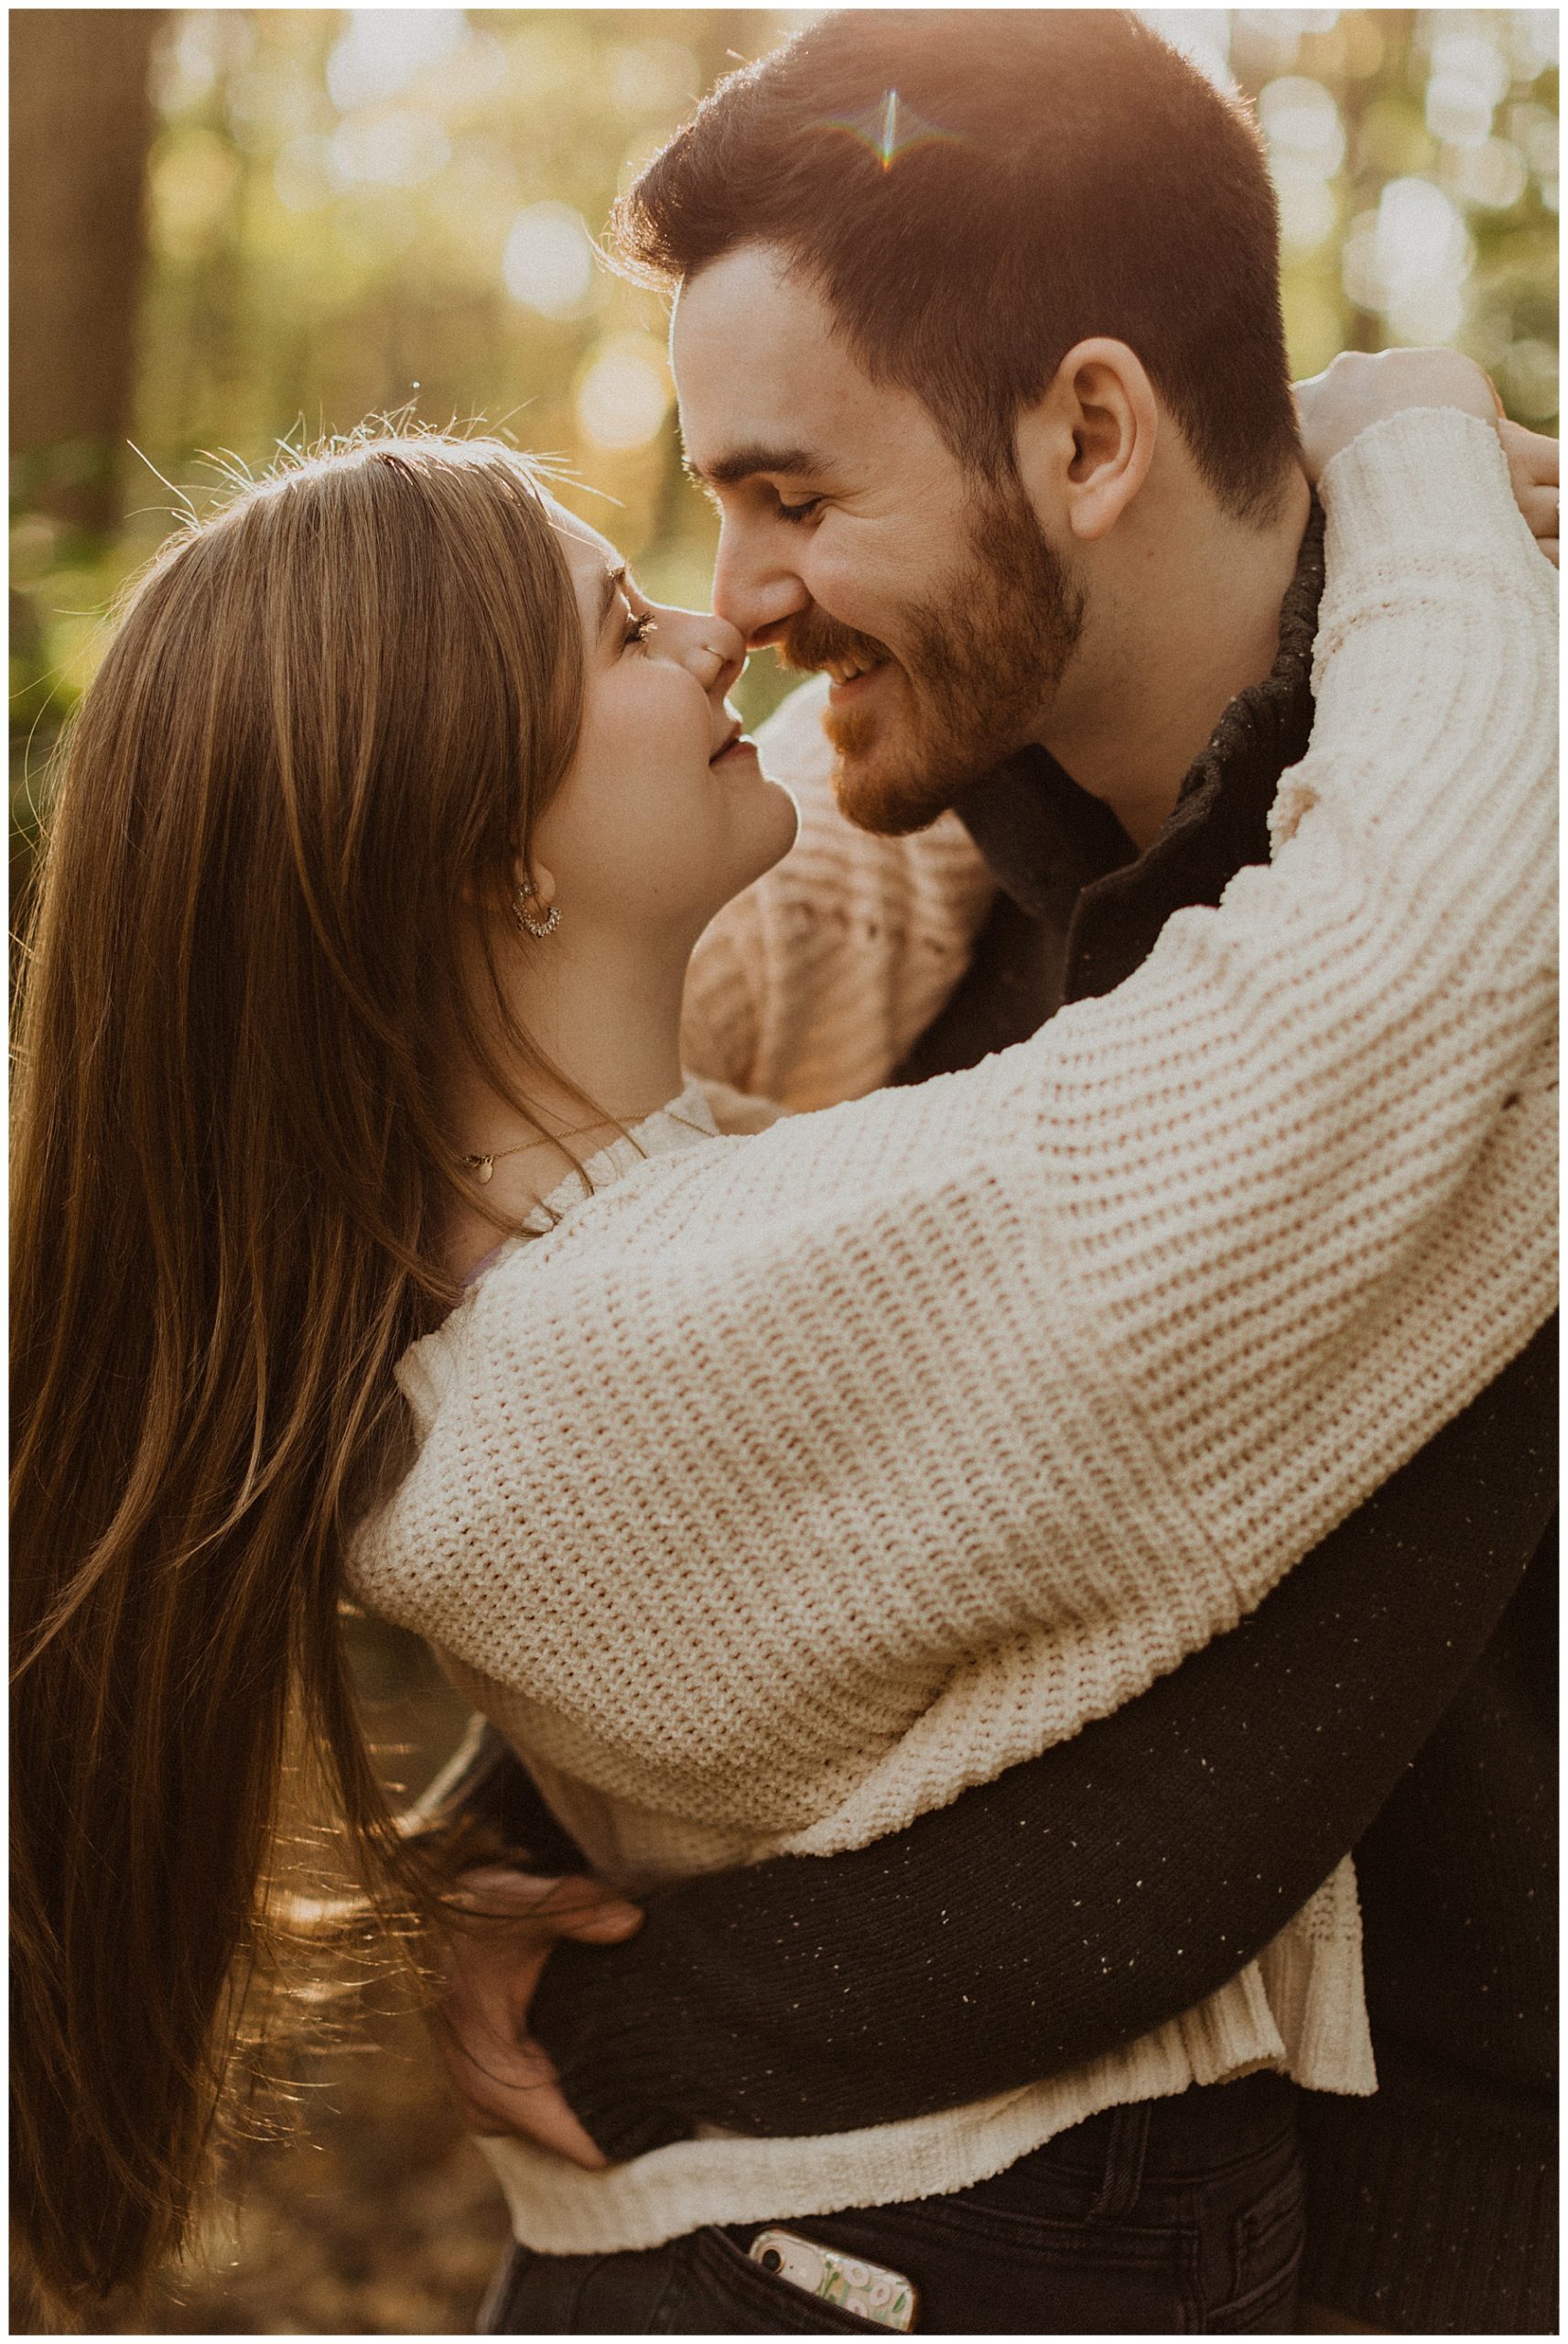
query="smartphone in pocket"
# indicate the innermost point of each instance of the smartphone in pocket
(868, 2289)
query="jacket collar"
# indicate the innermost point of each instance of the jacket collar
(1064, 858)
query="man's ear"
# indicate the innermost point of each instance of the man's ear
(1084, 450)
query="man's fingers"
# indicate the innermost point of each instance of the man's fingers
(491, 1962)
(530, 2113)
(536, 2114)
(501, 1890)
(608, 1925)
(512, 2089)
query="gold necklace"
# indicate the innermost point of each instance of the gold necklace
(483, 1167)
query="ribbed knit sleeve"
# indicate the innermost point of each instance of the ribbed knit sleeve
(1096, 1890)
(794, 1483)
(811, 985)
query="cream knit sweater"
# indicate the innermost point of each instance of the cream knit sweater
(792, 1483)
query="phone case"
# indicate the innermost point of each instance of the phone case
(866, 2289)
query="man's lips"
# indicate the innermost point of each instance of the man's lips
(853, 686)
(726, 743)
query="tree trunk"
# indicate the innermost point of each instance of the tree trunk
(82, 123)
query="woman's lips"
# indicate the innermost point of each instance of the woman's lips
(734, 751)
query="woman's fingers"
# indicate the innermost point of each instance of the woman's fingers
(1533, 464)
(1533, 457)
(1360, 389)
(1539, 506)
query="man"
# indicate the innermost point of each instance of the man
(1011, 455)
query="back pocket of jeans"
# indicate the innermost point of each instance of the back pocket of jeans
(717, 2290)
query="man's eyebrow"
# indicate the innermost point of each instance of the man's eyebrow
(614, 579)
(748, 463)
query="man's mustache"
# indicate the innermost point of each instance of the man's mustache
(813, 641)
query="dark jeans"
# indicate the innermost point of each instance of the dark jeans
(1175, 2217)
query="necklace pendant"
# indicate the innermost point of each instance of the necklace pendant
(482, 1167)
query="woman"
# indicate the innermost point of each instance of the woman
(295, 1048)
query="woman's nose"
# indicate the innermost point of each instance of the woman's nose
(718, 653)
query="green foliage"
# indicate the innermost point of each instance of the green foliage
(356, 212)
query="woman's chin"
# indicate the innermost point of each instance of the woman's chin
(785, 811)
(770, 825)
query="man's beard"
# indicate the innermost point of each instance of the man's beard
(977, 668)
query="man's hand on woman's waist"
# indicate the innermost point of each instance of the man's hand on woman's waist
(505, 2082)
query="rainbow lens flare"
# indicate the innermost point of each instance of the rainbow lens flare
(890, 130)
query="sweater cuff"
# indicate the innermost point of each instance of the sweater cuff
(1430, 472)
(613, 2076)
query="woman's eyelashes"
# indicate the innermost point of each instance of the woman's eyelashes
(640, 625)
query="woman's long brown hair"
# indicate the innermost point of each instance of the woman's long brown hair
(327, 711)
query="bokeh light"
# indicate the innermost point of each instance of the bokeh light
(655, 77)
(1299, 119)
(1415, 249)
(624, 395)
(396, 147)
(383, 50)
(386, 207)
(1492, 173)
(548, 262)
(1307, 146)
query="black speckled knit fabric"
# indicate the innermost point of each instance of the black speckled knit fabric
(1433, 2206)
(1096, 1890)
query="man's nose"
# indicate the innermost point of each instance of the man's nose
(755, 586)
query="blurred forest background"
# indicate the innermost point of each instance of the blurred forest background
(232, 228)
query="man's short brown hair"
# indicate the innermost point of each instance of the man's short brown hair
(976, 190)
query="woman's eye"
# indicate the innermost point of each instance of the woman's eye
(802, 512)
(639, 628)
